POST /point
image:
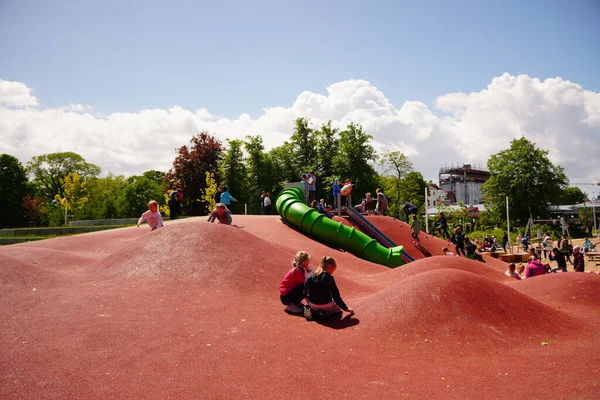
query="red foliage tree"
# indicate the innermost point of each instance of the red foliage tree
(189, 170)
(33, 207)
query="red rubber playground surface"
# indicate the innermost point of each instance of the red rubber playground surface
(192, 311)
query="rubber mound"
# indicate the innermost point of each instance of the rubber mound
(207, 254)
(17, 275)
(567, 291)
(450, 302)
(192, 310)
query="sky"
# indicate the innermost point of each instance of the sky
(124, 83)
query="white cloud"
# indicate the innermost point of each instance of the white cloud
(16, 94)
(560, 116)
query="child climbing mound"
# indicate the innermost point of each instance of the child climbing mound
(220, 213)
(152, 216)
(416, 229)
(291, 289)
(321, 291)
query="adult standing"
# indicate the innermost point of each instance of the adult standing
(578, 262)
(262, 202)
(218, 194)
(312, 186)
(267, 204)
(174, 202)
(548, 245)
(565, 248)
(504, 241)
(346, 193)
(227, 199)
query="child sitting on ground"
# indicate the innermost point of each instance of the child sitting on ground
(220, 213)
(447, 253)
(322, 293)
(521, 271)
(291, 289)
(152, 216)
(512, 273)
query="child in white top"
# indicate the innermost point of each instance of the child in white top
(152, 216)
(447, 253)
(512, 272)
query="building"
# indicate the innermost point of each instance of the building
(462, 183)
(436, 196)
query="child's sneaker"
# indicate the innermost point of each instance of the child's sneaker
(295, 308)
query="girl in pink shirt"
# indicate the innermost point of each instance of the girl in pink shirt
(291, 289)
(152, 216)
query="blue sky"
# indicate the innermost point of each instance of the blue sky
(239, 57)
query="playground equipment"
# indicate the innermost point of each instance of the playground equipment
(290, 205)
(375, 232)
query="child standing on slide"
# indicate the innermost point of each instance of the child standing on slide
(152, 216)
(291, 289)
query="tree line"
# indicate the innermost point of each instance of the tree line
(42, 190)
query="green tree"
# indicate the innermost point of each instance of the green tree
(524, 174)
(354, 159)
(259, 169)
(304, 144)
(396, 167)
(571, 195)
(74, 191)
(156, 176)
(233, 171)
(327, 148)
(48, 170)
(13, 188)
(102, 198)
(135, 195)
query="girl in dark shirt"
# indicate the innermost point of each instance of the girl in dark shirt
(321, 291)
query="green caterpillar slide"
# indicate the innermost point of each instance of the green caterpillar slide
(290, 205)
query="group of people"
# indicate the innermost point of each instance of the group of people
(535, 267)
(317, 287)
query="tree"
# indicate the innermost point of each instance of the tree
(48, 170)
(259, 172)
(304, 146)
(327, 148)
(354, 159)
(233, 170)
(396, 166)
(34, 207)
(190, 167)
(74, 191)
(571, 195)
(136, 194)
(524, 174)
(102, 198)
(211, 190)
(156, 176)
(13, 187)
